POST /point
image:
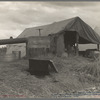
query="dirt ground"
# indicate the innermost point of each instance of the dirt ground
(75, 78)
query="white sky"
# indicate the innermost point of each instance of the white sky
(16, 16)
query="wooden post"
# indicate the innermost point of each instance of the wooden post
(19, 55)
(27, 50)
(98, 47)
(77, 42)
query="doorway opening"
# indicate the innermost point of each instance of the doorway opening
(70, 42)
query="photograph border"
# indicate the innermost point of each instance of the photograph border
(50, 98)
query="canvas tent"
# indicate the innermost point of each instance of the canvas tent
(97, 29)
(61, 33)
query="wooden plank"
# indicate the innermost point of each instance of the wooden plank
(53, 66)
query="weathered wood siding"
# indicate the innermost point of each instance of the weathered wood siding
(38, 46)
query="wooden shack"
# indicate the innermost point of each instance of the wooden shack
(38, 45)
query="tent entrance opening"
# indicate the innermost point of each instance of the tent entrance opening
(70, 42)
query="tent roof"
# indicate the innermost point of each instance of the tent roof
(97, 30)
(73, 24)
(46, 29)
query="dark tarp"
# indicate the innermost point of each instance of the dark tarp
(68, 34)
(86, 33)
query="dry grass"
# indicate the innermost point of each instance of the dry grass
(75, 74)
